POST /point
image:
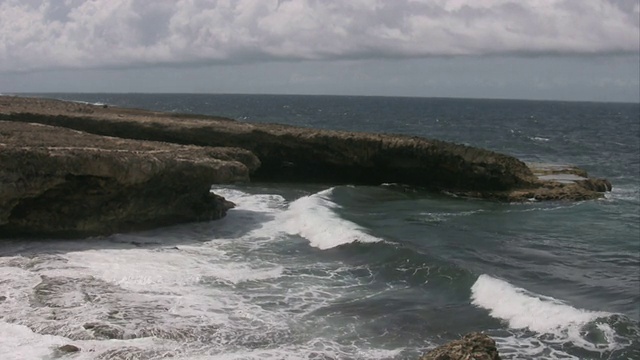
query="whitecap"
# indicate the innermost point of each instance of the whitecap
(523, 309)
(539, 138)
(313, 217)
(553, 320)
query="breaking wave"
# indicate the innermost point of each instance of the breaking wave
(313, 217)
(552, 320)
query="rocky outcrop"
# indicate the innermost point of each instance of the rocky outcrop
(294, 154)
(474, 346)
(60, 182)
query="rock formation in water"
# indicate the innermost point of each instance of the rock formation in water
(295, 154)
(474, 346)
(61, 182)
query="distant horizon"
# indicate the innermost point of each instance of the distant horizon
(552, 50)
(315, 95)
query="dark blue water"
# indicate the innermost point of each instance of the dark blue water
(387, 272)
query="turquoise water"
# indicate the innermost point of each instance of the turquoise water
(355, 272)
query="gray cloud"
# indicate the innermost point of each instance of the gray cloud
(54, 34)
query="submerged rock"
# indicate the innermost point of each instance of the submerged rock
(294, 154)
(68, 348)
(473, 346)
(60, 182)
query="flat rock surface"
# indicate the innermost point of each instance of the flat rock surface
(60, 182)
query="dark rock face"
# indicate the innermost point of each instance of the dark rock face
(474, 346)
(65, 183)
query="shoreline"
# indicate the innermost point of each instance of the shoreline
(241, 152)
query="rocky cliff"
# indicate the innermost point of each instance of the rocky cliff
(296, 154)
(60, 182)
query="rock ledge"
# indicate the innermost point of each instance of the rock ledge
(57, 182)
(293, 154)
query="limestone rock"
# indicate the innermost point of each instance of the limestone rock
(60, 182)
(473, 346)
(294, 154)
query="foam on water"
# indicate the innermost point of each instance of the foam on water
(149, 296)
(539, 138)
(139, 267)
(624, 193)
(313, 217)
(314, 349)
(252, 202)
(19, 342)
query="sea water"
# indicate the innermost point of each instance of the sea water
(355, 272)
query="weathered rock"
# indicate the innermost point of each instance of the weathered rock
(473, 346)
(60, 182)
(294, 154)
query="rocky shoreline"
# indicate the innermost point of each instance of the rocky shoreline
(74, 170)
(295, 154)
(57, 182)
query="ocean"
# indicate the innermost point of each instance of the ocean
(328, 271)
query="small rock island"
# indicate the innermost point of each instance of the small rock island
(70, 169)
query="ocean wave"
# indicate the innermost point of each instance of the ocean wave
(523, 309)
(553, 321)
(313, 217)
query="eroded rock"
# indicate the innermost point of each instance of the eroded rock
(294, 154)
(473, 346)
(60, 182)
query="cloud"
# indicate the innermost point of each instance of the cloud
(54, 34)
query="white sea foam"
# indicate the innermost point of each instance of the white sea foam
(252, 202)
(139, 267)
(539, 138)
(19, 342)
(523, 309)
(180, 293)
(553, 320)
(313, 217)
(318, 348)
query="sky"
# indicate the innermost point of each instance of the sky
(585, 50)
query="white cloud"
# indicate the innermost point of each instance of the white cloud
(49, 34)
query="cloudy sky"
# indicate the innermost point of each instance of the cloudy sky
(529, 49)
